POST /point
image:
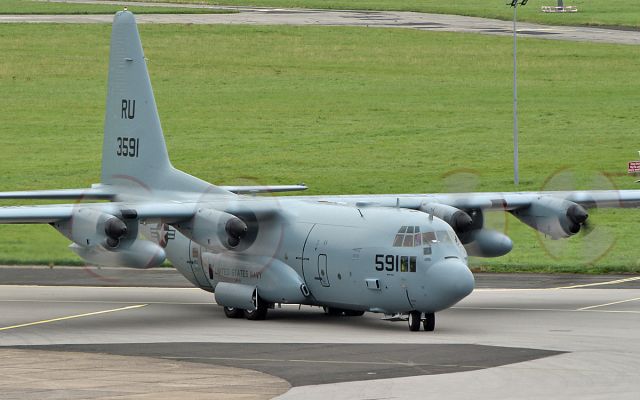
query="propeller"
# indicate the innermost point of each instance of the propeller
(595, 240)
(115, 230)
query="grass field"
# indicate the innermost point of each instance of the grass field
(345, 110)
(39, 7)
(621, 13)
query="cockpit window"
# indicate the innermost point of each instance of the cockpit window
(408, 240)
(410, 236)
(428, 237)
(443, 237)
(398, 240)
(405, 236)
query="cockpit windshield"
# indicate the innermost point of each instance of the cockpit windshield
(410, 236)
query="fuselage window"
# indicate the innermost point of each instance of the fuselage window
(404, 264)
(412, 263)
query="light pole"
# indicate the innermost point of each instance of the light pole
(516, 174)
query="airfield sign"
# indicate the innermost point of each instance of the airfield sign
(634, 167)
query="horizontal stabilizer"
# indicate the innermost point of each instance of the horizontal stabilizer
(264, 189)
(61, 194)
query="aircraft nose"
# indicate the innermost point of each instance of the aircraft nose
(450, 281)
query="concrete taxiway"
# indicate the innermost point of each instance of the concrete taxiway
(380, 19)
(544, 341)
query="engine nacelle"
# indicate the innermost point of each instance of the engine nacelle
(213, 229)
(459, 220)
(275, 281)
(137, 254)
(89, 227)
(488, 243)
(552, 216)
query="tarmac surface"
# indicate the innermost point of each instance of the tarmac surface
(380, 19)
(564, 336)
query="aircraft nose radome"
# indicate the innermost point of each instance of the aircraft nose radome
(451, 281)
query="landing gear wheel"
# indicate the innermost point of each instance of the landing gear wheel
(353, 313)
(259, 313)
(429, 322)
(414, 320)
(232, 312)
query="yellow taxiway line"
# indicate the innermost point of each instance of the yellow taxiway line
(46, 321)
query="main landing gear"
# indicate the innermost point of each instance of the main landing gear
(258, 314)
(428, 322)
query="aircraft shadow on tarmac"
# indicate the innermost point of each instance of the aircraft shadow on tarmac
(317, 363)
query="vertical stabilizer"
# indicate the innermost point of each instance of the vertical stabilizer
(134, 152)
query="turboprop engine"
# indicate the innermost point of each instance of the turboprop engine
(459, 220)
(104, 239)
(552, 216)
(469, 227)
(213, 229)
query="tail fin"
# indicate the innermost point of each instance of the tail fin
(134, 152)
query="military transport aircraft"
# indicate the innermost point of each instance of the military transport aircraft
(398, 254)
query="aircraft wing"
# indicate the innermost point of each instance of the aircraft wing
(46, 214)
(165, 211)
(505, 201)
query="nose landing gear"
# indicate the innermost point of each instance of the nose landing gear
(428, 323)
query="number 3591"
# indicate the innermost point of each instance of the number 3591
(127, 147)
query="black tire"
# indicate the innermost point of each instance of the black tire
(353, 313)
(429, 322)
(232, 312)
(259, 314)
(414, 320)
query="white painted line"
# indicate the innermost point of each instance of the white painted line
(586, 285)
(608, 304)
(631, 279)
(546, 309)
(46, 321)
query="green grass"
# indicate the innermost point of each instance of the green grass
(623, 13)
(25, 7)
(345, 110)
